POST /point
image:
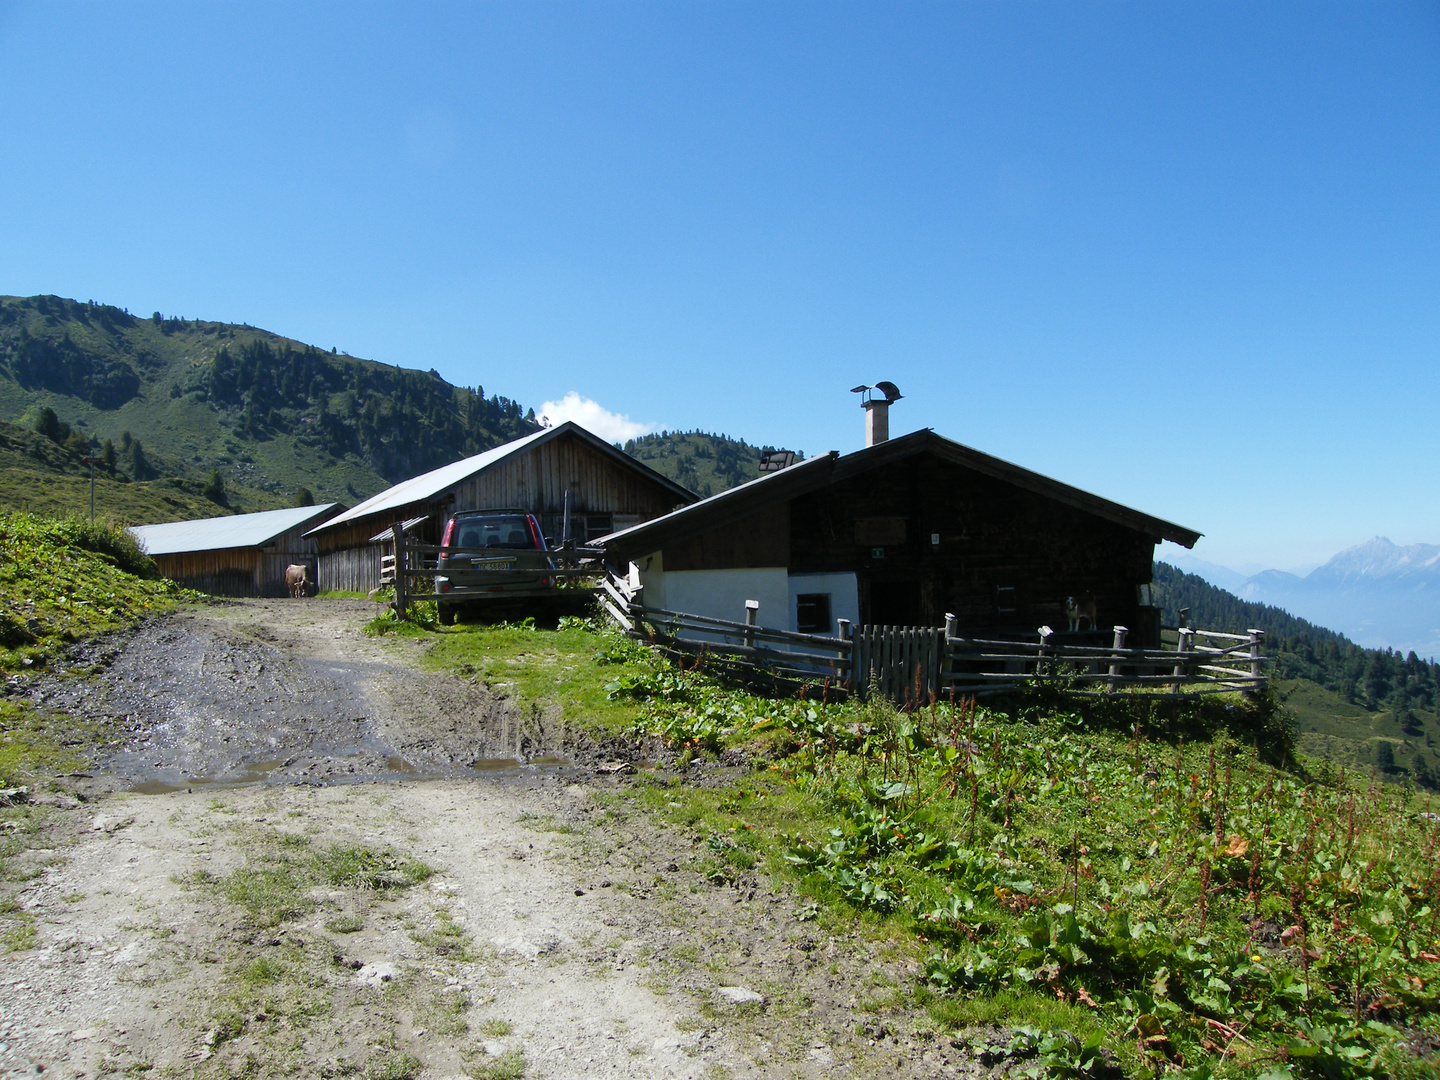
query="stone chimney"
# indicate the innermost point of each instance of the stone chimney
(877, 421)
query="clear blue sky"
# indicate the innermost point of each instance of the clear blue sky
(1183, 255)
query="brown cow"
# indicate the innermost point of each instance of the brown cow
(297, 579)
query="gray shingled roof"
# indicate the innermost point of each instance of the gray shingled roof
(235, 531)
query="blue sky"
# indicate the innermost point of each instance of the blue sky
(1186, 256)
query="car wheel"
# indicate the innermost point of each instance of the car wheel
(447, 615)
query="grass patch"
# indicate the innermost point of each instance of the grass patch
(281, 870)
(443, 1013)
(365, 868)
(447, 939)
(392, 1066)
(544, 667)
(36, 744)
(494, 1029)
(508, 1066)
(349, 923)
(546, 823)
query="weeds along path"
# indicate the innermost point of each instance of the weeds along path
(462, 925)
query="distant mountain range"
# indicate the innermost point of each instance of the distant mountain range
(1378, 593)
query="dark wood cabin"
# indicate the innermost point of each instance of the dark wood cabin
(607, 489)
(904, 533)
(239, 555)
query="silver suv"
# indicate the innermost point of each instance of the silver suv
(491, 556)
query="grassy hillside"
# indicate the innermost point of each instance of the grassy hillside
(705, 463)
(167, 397)
(1366, 708)
(40, 475)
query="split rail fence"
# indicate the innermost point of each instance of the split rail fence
(902, 663)
(909, 663)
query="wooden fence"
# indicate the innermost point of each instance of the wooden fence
(406, 561)
(912, 663)
(903, 663)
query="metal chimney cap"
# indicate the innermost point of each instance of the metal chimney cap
(889, 389)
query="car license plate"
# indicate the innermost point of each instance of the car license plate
(492, 564)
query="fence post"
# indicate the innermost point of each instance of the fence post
(1257, 638)
(845, 633)
(752, 608)
(1120, 632)
(1047, 641)
(946, 666)
(401, 601)
(1187, 638)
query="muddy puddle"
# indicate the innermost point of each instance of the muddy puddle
(268, 695)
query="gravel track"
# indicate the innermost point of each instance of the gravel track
(595, 948)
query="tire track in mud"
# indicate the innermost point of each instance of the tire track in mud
(284, 692)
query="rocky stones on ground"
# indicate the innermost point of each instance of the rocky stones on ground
(374, 974)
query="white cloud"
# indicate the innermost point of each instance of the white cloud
(591, 415)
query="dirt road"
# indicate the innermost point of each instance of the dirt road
(360, 887)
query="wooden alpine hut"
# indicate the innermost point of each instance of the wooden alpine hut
(903, 533)
(560, 474)
(239, 555)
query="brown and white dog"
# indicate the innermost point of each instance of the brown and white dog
(1075, 610)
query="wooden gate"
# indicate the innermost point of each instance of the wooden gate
(902, 663)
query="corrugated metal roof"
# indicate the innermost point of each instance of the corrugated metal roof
(236, 531)
(428, 485)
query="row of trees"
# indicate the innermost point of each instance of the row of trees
(400, 422)
(128, 462)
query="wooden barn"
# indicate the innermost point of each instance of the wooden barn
(902, 533)
(606, 489)
(239, 555)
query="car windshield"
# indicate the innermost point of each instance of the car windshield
(502, 531)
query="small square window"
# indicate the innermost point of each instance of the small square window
(596, 526)
(812, 613)
(1005, 600)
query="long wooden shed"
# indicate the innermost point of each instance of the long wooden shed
(605, 488)
(902, 533)
(239, 555)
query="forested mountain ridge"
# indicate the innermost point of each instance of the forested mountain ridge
(704, 462)
(187, 398)
(1370, 707)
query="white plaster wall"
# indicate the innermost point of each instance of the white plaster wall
(721, 594)
(844, 596)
